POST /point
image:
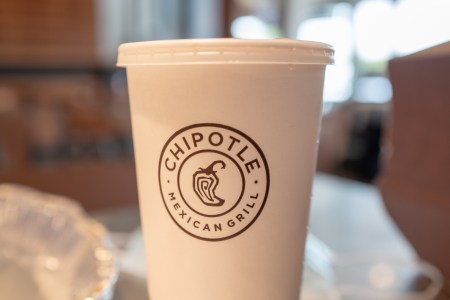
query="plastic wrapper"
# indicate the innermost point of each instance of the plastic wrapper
(50, 249)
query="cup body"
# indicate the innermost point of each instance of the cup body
(225, 155)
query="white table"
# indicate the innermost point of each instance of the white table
(348, 216)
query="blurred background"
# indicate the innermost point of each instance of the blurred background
(64, 114)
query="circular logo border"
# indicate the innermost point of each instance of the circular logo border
(251, 141)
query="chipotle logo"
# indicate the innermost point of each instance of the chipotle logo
(214, 180)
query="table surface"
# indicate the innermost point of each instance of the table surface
(348, 216)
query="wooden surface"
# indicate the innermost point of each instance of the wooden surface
(47, 33)
(67, 134)
(94, 184)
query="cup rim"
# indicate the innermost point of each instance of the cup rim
(224, 51)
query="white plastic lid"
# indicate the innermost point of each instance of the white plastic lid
(224, 51)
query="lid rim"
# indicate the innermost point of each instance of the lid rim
(224, 50)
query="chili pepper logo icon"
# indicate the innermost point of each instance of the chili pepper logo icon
(205, 183)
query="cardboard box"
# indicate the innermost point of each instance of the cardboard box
(415, 179)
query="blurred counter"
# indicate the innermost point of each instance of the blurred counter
(348, 216)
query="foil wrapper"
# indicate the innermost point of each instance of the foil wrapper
(51, 250)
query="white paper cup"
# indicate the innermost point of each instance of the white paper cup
(225, 134)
